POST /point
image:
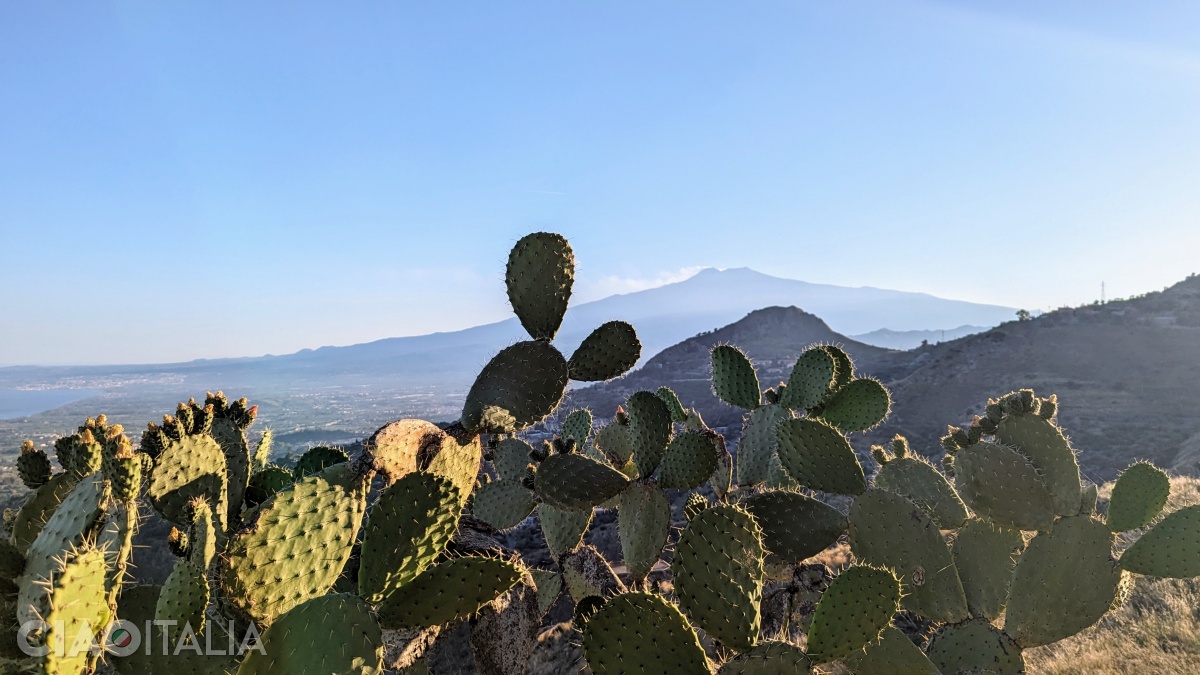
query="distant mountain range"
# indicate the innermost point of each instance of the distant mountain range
(911, 339)
(663, 316)
(1127, 374)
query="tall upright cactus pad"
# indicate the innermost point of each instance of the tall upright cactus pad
(183, 599)
(643, 522)
(889, 531)
(76, 601)
(795, 526)
(843, 368)
(985, 555)
(328, 634)
(925, 486)
(668, 396)
(401, 447)
(852, 613)
(769, 658)
(1138, 497)
(893, 654)
(39, 507)
(811, 378)
(975, 646)
(649, 430)
(575, 483)
(860, 405)
(758, 448)
(608, 352)
(295, 547)
(641, 634)
(540, 273)
(410, 525)
(819, 457)
(718, 574)
(734, 379)
(1064, 582)
(449, 591)
(578, 426)
(518, 388)
(232, 438)
(562, 528)
(1171, 549)
(688, 462)
(1044, 444)
(1002, 485)
(33, 466)
(193, 466)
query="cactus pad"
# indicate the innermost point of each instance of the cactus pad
(191, 467)
(734, 379)
(77, 599)
(183, 599)
(853, 611)
(649, 430)
(410, 525)
(563, 529)
(316, 460)
(448, 591)
(915, 479)
(549, 585)
(1064, 582)
(574, 482)
(819, 457)
(810, 380)
(578, 425)
(668, 396)
(975, 646)
(328, 634)
(1002, 485)
(690, 459)
(608, 352)
(616, 443)
(503, 504)
(860, 405)
(229, 435)
(643, 522)
(295, 547)
(511, 458)
(39, 507)
(524, 382)
(890, 531)
(985, 555)
(641, 634)
(1044, 444)
(401, 447)
(769, 658)
(758, 448)
(718, 574)
(540, 272)
(458, 459)
(893, 654)
(1171, 549)
(1138, 497)
(265, 483)
(795, 526)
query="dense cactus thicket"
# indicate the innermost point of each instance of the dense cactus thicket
(346, 564)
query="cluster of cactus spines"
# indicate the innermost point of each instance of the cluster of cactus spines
(1000, 551)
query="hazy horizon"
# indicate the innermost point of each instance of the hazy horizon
(201, 181)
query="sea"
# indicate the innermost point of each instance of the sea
(16, 403)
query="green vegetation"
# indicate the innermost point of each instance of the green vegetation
(357, 562)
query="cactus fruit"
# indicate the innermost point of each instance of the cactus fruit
(819, 457)
(33, 466)
(975, 646)
(1064, 582)
(858, 406)
(852, 613)
(688, 462)
(890, 531)
(317, 459)
(893, 654)
(718, 574)
(574, 482)
(1170, 550)
(915, 479)
(643, 521)
(795, 526)
(734, 380)
(607, 352)
(985, 555)
(1138, 497)
(410, 525)
(641, 634)
(539, 276)
(328, 634)
(769, 658)
(1002, 485)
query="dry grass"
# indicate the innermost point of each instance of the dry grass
(1156, 631)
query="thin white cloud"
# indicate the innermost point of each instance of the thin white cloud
(588, 289)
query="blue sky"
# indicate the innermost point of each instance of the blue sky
(182, 180)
